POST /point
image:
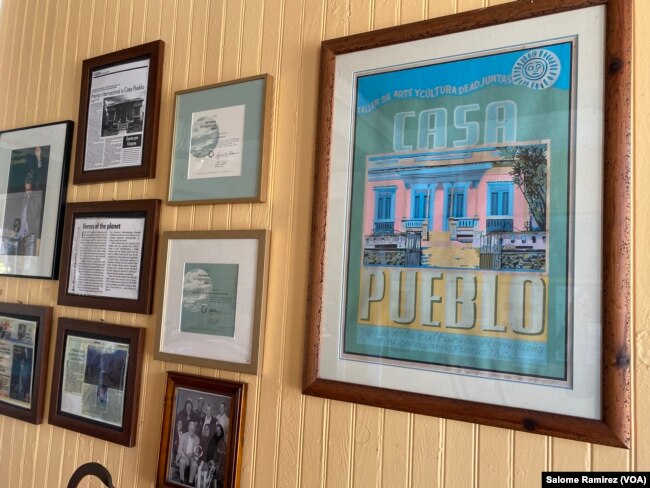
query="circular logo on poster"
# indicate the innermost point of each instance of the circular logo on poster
(537, 69)
(205, 135)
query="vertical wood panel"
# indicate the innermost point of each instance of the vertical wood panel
(426, 452)
(529, 458)
(12, 48)
(494, 456)
(459, 455)
(24, 68)
(464, 5)
(341, 426)
(396, 453)
(570, 455)
(368, 438)
(312, 438)
(411, 11)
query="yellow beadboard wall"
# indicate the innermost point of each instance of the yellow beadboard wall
(290, 440)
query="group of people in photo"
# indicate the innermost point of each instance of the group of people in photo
(199, 445)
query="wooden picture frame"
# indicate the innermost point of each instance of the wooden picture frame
(220, 148)
(111, 357)
(34, 193)
(213, 457)
(596, 273)
(25, 331)
(116, 88)
(93, 277)
(213, 299)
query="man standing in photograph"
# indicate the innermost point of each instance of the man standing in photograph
(222, 417)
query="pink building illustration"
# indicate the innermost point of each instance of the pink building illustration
(454, 208)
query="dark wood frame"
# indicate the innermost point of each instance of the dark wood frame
(259, 306)
(615, 427)
(237, 393)
(42, 315)
(134, 336)
(144, 303)
(155, 52)
(61, 202)
(265, 144)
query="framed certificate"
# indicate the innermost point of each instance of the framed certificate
(221, 142)
(462, 263)
(118, 115)
(213, 298)
(24, 349)
(96, 379)
(109, 250)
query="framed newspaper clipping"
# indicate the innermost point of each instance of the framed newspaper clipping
(202, 432)
(24, 350)
(96, 379)
(466, 262)
(34, 165)
(118, 115)
(109, 254)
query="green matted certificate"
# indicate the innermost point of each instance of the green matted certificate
(209, 298)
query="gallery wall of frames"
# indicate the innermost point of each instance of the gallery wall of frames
(223, 248)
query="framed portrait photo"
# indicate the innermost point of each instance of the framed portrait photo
(109, 253)
(463, 265)
(201, 433)
(96, 379)
(221, 140)
(118, 115)
(34, 164)
(213, 298)
(24, 350)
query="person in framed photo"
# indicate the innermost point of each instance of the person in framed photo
(187, 414)
(199, 413)
(209, 419)
(187, 445)
(222, 417)
(218, 451)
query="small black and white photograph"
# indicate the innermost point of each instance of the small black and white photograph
(23, 213)
(199, 443)
(123, 114)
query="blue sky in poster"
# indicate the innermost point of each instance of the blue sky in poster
(461, 74)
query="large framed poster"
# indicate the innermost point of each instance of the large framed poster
(466, 157)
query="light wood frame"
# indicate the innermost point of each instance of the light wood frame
(615, 427)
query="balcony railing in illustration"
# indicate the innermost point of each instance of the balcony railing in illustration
(462, 228)
(421, 225)
(501, 224)
(384, 228)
